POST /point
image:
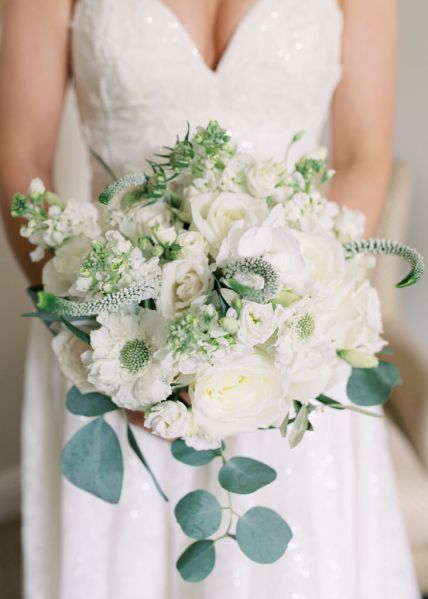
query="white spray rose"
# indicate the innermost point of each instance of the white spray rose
(263, 177)
(244, 394)
(61, 272)
(256, 324)
(169, 419)
(68, 350)
(214, 213)
(193, 244)
(183, 281)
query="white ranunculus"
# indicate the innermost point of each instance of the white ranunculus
(214, 213)
(256, 324)
(169, 419)
(61, 272)
(193, 244)
(358, 322)
(68, 350)
(244, 394)
(183, 282)
(263, 177)
(128, 360)
(275, 244)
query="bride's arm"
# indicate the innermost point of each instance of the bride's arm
(33, 77)
(363, 108)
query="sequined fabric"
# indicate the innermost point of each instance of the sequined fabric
(139, 78)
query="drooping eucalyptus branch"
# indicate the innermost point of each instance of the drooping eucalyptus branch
(384, 246)
(110, 303)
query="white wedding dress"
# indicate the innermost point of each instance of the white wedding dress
(139, 79)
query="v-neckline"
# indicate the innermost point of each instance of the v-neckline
(240, 25)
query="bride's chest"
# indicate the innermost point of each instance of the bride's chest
(135, 52)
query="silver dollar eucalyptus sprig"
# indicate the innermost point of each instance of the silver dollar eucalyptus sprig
(384, 246)
(109, 303)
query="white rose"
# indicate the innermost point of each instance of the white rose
(60, 273)
(256, 324)
(244, 394)
(214, 213)
(193, 244)
(275, 244)
(183, 281)
(358, 322)
(263, 177)
(169, 419)
(68, 350)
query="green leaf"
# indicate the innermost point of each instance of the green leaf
(263, 535)
(136, 449)
(92, 460)
(300, 426)
(331, 403)
(198, 514)
(197, 562)
(284, 426)
(372, 386)
(245, 475)
(88, 404)
(191, 456)
(76, 331)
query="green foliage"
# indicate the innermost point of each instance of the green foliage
(136, 449)
(92, 460)
(373, 386)
(245, 475)
(263, 535)
(197, 562)
(88, 404)
(300, 425)
(198, 514)
(191, 456)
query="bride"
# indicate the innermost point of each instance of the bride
(264, 69)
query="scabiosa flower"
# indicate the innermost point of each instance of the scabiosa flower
(128, 360)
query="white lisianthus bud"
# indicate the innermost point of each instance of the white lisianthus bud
(192, 244)
(230, 325)
(358, 359)
(169, 419)
(257, 323)
(165, 235)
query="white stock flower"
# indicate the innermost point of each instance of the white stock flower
(193, 244)
(256, 323)
(263, 177)
(214, 213)
(37, 187)
(169, 419)
(200, 439)
(275, 244)
(69, 350)
(139, 220)
(62, 271)
(183, 282)
(350, 224)
(128, 360)
(243, 394)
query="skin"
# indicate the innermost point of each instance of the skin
(34, 70)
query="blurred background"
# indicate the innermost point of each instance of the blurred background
(407, 322)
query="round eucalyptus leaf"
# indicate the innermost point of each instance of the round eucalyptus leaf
(245, 475)
(198, 514)
(88, 404)
(190, 456)
(92, 460)
(197, 562)
(372, 386)
(263, 535)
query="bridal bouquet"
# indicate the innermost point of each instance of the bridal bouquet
(218, 295)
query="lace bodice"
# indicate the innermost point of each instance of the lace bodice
(140, 78)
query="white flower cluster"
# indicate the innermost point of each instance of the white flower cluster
(258, 307)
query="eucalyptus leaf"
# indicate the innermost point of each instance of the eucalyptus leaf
(197, 561)
(245, 475)
(372, 386)
(136, 449)
(88, 404)
(190, 456)
(263, 535)
(199, 514)
(300, 426)
(92, 460)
